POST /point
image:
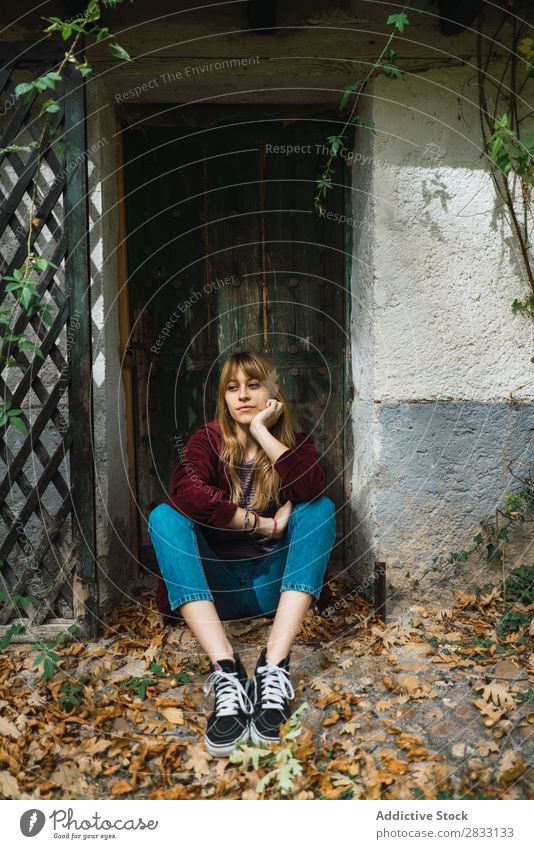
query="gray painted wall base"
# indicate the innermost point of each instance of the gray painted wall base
(441, 467)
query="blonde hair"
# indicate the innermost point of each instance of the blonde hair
(266, 478)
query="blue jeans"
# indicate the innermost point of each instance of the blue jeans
(242, 588)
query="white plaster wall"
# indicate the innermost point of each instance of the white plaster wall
(447, 270)
(362, 331)
(437, 350)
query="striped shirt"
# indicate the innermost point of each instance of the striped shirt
(233, 543)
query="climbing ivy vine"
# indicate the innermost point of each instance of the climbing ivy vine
(385, 64)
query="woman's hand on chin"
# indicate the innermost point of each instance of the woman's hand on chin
(268, 416)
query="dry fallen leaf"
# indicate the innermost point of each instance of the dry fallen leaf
(486, 748)
(120, 787)
(383, 704)
(492, 713)
(154, 648)
(511, 767)
(350, 727)
(94, 746)
(173, 715)
(499, 695)
(332, 718)
(8, 728)
(324, 689)
(9, 787)
(35, 699)
(408, 682)
(198, 759)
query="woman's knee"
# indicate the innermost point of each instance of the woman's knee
(161, 515)
(323, 505)
(320, 514)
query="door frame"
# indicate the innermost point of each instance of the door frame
(127, 361)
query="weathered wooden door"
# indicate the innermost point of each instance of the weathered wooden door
(225, 253)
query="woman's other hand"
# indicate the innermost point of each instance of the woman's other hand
(282, 518)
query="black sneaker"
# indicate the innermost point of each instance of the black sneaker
(272, 690)
(229, 721)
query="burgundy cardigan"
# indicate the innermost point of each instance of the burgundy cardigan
(200, 487)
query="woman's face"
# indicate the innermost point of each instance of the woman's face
(245, 397)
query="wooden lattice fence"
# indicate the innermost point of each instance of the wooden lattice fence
(46, 476)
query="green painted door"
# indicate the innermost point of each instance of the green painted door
(225, 253)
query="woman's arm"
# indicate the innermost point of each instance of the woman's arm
(191, 490)
(264, 526)
(302, 478)
(270, 444)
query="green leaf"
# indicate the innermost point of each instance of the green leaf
(50, 82)
(16, 628)
(400, 19)
(102, 33)
(28, 345)
(183, 677)
(41, 263)
(286, 773)
(46, 314)
(393, 71)
(324, 183)
(493, 553)
(119, 52)
(263, 782)
(23, 600)
(51, 106)
(336, 142)
(362, 122)
(15, 148)
(526, 45)
(18, 424)
(22, 88)
(347, 91)
(26, 296)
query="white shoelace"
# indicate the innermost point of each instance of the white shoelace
(276, 686)
(229, 693)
